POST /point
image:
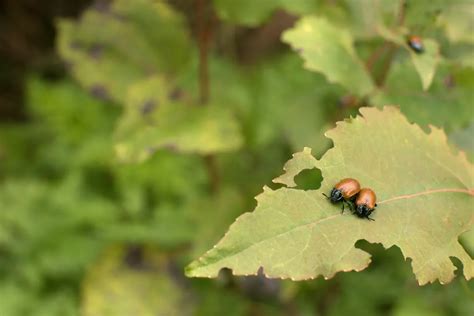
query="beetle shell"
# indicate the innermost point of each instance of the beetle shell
(366, 197)
(416, 44)
(349, 187)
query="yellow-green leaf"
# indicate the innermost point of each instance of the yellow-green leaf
(426, 62)
(330, 50)
(131, 282)
(425, 197)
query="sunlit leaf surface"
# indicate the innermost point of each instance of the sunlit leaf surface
(425, 195)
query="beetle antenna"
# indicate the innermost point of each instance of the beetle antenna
(325, 195)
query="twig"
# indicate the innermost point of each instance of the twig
(203, 38)
(386, 46)
(204, 35)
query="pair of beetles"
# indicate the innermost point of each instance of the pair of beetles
(360, 201)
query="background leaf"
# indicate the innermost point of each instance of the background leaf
(121, 281)
(105, 63)
(154, 120)
(329, 50)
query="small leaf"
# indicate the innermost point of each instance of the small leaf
(131, 282)
(424, 203)
(426, 62)
(329, 49)
(154, 120)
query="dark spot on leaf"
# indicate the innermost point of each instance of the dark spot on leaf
(75, 45)
(95, 51)
(151, 150)
(99, 92)
(299, 50)
(175, 94)
(134, 256)
(135, 259)
(148, 107)
(102, 6)
(171, 147)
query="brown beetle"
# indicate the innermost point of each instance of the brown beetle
(344, 190)
(365, 203)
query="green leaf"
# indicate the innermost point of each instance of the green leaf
(451, 92)
(424, 203)
(131, 282)
(464, 140)
(458, 21)
(110, 48)
(329, 49)
(425, 63)
(156, 119)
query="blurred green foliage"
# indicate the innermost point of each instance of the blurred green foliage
(83, 232)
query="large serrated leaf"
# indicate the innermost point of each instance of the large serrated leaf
(425, 202)
(329, 49)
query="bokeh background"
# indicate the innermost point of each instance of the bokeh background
(133, 133)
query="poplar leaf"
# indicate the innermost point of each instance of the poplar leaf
(425, 197)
